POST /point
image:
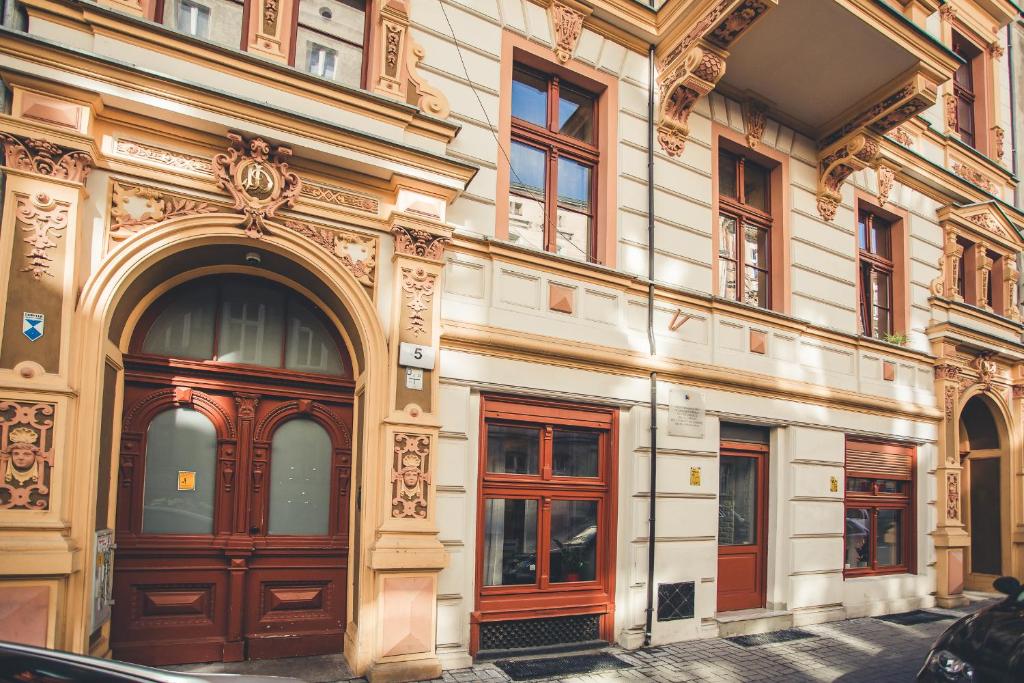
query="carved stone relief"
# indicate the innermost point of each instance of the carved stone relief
(999, 142)
(973, 175)
(410, 478)
(45, 158)
(682, 83)
(900, 135)
(952, 495)
(422, 243)
(357, 252)
(567, 23)
(755, 118)
(256, 175)
(886, 177)
(26, 454)
(336, 196)
(418, 285)
(134, 207)
(44, 221)
(836, 166)
(156, 156)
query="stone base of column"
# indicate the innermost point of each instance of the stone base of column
(409, 670)
(951, 601)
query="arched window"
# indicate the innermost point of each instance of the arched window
(244, 321)
(181, 469)
(300, 479)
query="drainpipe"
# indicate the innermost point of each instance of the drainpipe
(652, 488)
(1013, 112)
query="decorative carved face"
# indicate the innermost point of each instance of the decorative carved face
(23, 456)
(411, 477)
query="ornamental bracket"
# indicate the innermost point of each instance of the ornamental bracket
(837, 163)
(683, 81)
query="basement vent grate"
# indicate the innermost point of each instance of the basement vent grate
(772, 638)
(919, 616)
(675, 601)
(509, 635)
(575, 665)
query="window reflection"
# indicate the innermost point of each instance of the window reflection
(510, 542)
(300, 479)
(329, 39)
(573, 552)
(574, 453)
(737, 501)
(512, 450)
(858, 538)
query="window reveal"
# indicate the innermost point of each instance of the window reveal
(745, 222)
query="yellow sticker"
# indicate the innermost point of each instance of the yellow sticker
(694, 476)
(186, 481)
(833, 485)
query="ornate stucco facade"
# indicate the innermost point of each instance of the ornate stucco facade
(138, 158)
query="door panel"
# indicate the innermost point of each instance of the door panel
(742, 512)
(986, 526)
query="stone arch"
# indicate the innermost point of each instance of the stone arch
(151, 262)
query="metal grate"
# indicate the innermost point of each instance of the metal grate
(508, 635)
(783, 636)
(919, 616)
(675, 601)
(531, 669)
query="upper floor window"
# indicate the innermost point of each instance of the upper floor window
(874, 241)
(330, 37)
(745, 226)
(553, 165)
(193, 19)
(964, 88)
(218, 21)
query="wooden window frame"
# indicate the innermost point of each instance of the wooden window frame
(872, 262)
(965, 92)
(542, 598)
(876, 501)
(555, 145)
(745, 215)
(898, 220)
(981, 97)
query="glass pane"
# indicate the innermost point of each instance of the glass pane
(573, 235)
(529, 98)
(510, 542)
(529, 170)
(862, 230)
(889, 551)
(181, 473)
(727, 279)
(575, 453)
(300, 479)
(575, 114)
(755, 246)
(219, 21)
(727, 236)
(880, 238)
(755, 287)
(858, 484)
(330, 34)
(250, 324)
(526, 221)
(310, 347)
(185, 328)
(880, 298)
(573, 551)
(755, 185)
(737, 501)
(727, 174)
(574, 185)
(858, 541)
(891, 486)
(512, 450)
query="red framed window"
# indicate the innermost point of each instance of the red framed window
(964, 88)
(874, 242)
(554, 158)
(745, 227)
(546, 517)
(879, 526)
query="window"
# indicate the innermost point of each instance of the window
(993, 296)
(331, 34)
(874, 241)
(193, 19)
(745, 224)
(879, 508)
(964, 88)
(547, 509)
(553, 165)
(218, 21)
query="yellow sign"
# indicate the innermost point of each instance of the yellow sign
(833, 485)
(694, 476)
(186, 481)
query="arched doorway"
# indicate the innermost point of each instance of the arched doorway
(232, 497)
(984, 497)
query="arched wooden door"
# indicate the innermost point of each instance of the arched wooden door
(232, 511)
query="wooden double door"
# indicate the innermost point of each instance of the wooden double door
(233, 511)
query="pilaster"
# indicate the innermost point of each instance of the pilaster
(983, 265)
(270, 28)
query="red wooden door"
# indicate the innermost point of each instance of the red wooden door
(233, 506)
(742, 528)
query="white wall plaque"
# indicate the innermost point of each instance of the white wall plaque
(414, 378)
(686, 413)
(416, 356)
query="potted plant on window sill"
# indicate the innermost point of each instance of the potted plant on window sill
(897, 338)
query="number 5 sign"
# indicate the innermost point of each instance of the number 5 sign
(416, 356)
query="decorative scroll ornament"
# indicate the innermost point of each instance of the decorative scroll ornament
(568, 26)
(155, 156)
(418, 284)
(834, 168)
(755, 119)
(45, 158)
(422, 243)
(999, 140)
(134, 207)
(886, 177)
(986, 368)
(430, 100)
(44, 219)
(358, 253)
(26, 454)
(409, 476)
(952, 495)
(682, 83)
(257, 177)
(947, 13)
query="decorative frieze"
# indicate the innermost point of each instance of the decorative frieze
(45, 158)
(44, 220)
(164, 158)
(900, 135)
(256, 175)
(989, 222)
(357, 252)
(900, 105)
(338, 197)
(26, 454)
(422, 243)
(738, 21)
(567, 25)
(418, 286)
(835, 167)
(974, 176)
(410, 476)
(134, 207)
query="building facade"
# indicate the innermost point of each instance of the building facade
(376, 327)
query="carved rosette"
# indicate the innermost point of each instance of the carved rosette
(755, 119)
(410, 476)
(422, 243)
(256, 175)
(682, 83)
(835, 167)
(134, 207)
(567, 25)
(418, 286)
(45, 158)
(44, 220)
(26, 454)
(953, 495)
(886, 177)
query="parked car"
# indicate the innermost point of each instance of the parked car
(27, 664)
(984, 647)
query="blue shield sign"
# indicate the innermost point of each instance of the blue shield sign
(32, 325)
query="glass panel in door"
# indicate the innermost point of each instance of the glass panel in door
(737, 501)
(181, 466)
(300, 479)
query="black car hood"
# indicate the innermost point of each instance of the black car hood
(992, 640)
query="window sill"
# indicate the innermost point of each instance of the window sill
(863, 575)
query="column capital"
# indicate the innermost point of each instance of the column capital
(42, 157)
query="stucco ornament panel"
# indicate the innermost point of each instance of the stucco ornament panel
(952, 495)
(410, 477)
(836, 166)
(900, 135)
(256, 175)
(356, 251)
(567, 23)
(755, 119)
(156, 156)
(44, 221)
(886, 178)
(45, 158)
(974, 176)
(135, 207)
(999, 142)
(422, 243)
(418, 287)
(990, 223)
(26, 454)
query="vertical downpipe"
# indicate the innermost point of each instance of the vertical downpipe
(652, 488)
(1013, 112)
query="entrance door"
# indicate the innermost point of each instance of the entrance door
(742, 514)
(984, 520)
(232, 519)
